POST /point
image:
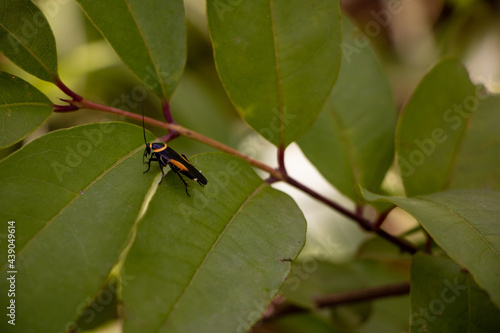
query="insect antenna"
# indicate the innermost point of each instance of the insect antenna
(142, 109)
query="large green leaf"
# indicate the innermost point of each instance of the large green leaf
(465, 224)
(446, 136)
(278, 60)
(74, 195)
(446, 299)
(211, 262)
(352, 140)
(26, 38)
(22, 109)
(149, 37)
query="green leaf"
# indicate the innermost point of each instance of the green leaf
(388, 315)
(446, 299)
(446, 137)
(74, 195)
(197, 103)
(211, 262)
(22, 109)
(312, 278)
(102, 309)
(149, 37)
(302, 322)
(27, 40)
(477, 159)
(278, 61)
(382, 249)
(352, 140)
(464, 223)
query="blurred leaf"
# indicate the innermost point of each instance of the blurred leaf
(311, 278)
(446, 299)
(27, 40)
(22, 109)
(464, 223)
(476, 162)
(380, 248)
(198, 107)
(278, 61)
(446, 136)
(221, 254)
(388, 315)
(352, 141)
(300, 323)
(74, 195)
(102, 309)
(149, 37)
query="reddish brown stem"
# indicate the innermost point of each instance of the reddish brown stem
(275, 175)
(428, 243)
(167, 113)
(67, 91)
(380, 219)
(363, 295)
(363, 223)
(84, 104)
(281, 160)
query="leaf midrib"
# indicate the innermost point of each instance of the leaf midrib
(345, 142)
(278, 77)
(49, 222)
(209, 252)
(24, 104)
(460, 217)
(54, 75)
(152, 59)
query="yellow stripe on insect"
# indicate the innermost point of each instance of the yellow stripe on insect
(179, 165)
(159, 149)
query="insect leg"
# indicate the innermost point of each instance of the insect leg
(149, 163)
(162, 173)
(183, 181)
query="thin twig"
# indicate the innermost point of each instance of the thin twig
(66, 90)
(281, 161)
(363, 295)
(381, 219)
(275, 174)
(359, 210)
(428, 243)
(167, 113)
(360, 295)
(363, 223)
(84, 104)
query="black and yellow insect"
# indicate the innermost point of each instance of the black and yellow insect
(159, 151)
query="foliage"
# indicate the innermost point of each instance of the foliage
(91, 238)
